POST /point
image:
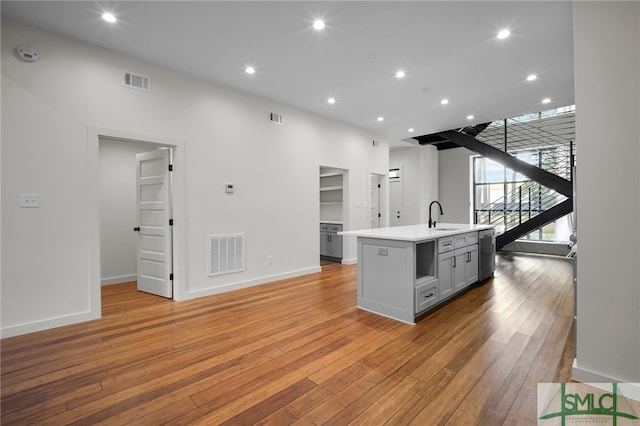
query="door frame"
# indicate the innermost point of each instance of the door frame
(399, 182)
(381, 196)
(93, 208)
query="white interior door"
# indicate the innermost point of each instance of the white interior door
(374, 202)
(153, 205)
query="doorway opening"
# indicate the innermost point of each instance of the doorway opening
(135, 212)
(333, 185)
(114, 214)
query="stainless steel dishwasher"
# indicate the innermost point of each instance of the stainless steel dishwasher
(487, 245)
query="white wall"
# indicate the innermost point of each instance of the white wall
(225, 137)
(118, 242)
(419, 180)
(454, 185)
(607, 84)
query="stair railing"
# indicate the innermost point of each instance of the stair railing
(513, 135)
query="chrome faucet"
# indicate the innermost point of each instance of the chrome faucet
(432, 223)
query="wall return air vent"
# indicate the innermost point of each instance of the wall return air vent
(225, 254)
(274, 117)
(136, 81)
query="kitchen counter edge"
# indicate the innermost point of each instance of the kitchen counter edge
(417, 233)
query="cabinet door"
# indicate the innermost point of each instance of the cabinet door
(335, 245)
(471, 265)
(460, 259)
(445, 274)
(324, 244)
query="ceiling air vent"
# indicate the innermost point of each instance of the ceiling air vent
(137, 81)
(274, 117)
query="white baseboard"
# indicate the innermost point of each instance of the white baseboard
(587, 376)
(350, 261)
(250, 283)
(47, 324)
(118, 280)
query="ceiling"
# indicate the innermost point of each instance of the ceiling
(447, 49)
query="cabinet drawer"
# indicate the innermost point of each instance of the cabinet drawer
(464, 240)
(472, 238)
(445, 244)
(335, 228)
(426, 295)
(459, 240)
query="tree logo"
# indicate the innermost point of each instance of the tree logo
(579, 403)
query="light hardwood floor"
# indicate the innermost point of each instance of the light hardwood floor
(298, 352)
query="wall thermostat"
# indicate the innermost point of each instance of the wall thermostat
(228, 187)
(27, 53)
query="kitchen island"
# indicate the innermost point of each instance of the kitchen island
(404, 271)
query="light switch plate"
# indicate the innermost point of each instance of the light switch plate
(29, 200)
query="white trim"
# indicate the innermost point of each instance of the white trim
(352, 261)
(250, 283)
(118, 280)
(385, 315)
(94, 134)
(46, 324)
(587, 376)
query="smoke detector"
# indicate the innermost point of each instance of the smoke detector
(27, 53)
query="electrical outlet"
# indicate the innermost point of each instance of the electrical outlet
(30, 200)
(270, 260)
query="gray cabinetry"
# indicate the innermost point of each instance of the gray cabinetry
(447, 274)
(386, 278)
(471, 265)
(426, 282)
(466, 267)
(403, 277)
(457, 263)
(330, 241)
(426, 295)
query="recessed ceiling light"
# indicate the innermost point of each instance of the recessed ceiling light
(444, 101)
(504, 34)
(470, 117)
(250, 70)
(380, 118)
(318, 24)
(109, 17)
(400, 74)
(546, 100)
(531, 77)
(410, 130)
(331, 100)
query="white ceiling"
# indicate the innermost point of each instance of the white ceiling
(448, 49)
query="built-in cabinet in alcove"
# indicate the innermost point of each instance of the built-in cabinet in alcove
(331, 212)
(331, 195)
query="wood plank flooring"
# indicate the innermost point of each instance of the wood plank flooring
(298, 352)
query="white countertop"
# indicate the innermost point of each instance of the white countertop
(417, 232)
